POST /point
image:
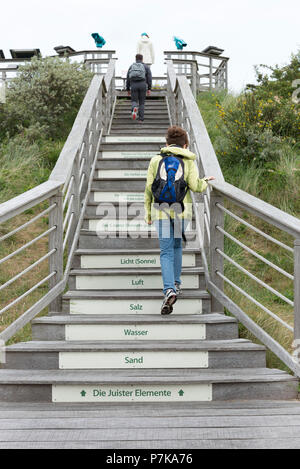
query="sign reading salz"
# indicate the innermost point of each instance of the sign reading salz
(143, 393)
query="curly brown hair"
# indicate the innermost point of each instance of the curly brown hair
(177, 136)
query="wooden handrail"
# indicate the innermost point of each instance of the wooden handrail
(206, 152)
(64, 164)
(199, 54)
(258, 207)
(28, 199)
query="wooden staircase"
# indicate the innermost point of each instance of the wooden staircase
(109, 342)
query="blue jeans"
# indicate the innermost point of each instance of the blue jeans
(170, 243)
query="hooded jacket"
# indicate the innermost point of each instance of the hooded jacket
(191, 176)
(145, 48)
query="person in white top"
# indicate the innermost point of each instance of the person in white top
(145, 48)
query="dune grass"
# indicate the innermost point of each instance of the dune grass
(278, 184)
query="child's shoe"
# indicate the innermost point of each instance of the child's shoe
(169, 300)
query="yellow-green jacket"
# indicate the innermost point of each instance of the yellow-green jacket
(191, 176)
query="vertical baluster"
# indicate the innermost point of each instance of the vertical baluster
(226, 75)
(103, 107)
(297, 293)
(85, 155)
(75, 200)
(56, 242)
(210, 74)
(194, 79)
(216, 241)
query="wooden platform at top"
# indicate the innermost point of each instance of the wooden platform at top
(216, 425)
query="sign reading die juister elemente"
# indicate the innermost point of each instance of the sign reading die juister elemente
(145, 393)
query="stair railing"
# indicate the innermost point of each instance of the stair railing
(61, 202)
(218, 202)
(209, 71)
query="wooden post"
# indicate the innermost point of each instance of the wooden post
(226, 75)
(216, 241)
(210, 74)
(179, 107)
(76, 201)
(86, 155)
(297, 291)
(194, 79)
(56, 242)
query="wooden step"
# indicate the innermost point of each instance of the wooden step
(134, 327)
(122, 174)
(129, 279)
(127, 240)
(115, 163)
(136, 146)
(137, 131)
(128, 354)
(139, 302)
(99, 259)
(164, 385)
(119, 185)
(151, 119)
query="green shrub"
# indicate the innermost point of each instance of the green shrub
(279, 81)
(47, 92)
(254, 131)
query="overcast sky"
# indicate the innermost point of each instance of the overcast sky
(250, 31)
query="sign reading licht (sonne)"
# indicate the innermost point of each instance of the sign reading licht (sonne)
(133, 260)
(143, 393)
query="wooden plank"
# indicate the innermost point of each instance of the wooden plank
(161, 434)
(122, 411)
(131, 423)
(194, 53)
(134, 376)
(216, 407)
(281, 443)
(151, 346)
(139, 320)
